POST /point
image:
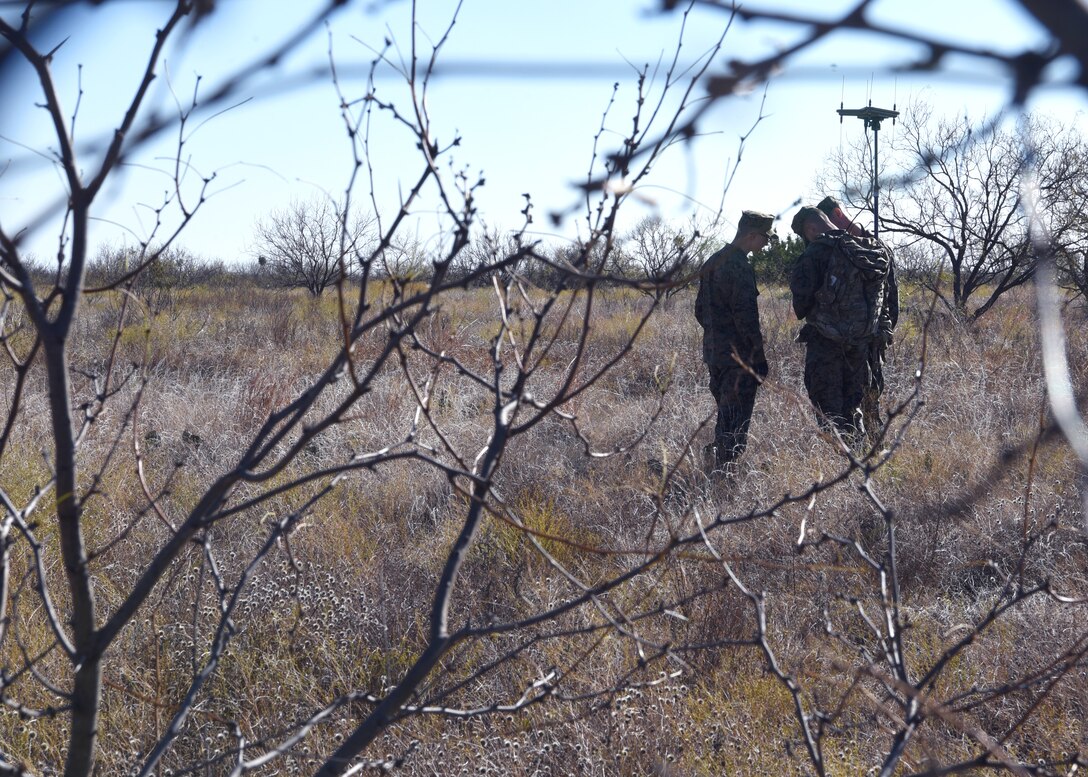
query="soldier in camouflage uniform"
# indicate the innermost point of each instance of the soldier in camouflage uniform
(843, 285)
(878, 349)
(727, 310)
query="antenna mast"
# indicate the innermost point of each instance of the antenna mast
(872, 118)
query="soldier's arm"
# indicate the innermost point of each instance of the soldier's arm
(702, 296)
(746, 314)
(700, 304)
(804, 280)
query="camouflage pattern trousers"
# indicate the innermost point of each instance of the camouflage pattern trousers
(734, 391)
(837, 378)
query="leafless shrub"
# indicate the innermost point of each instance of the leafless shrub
(311, 245)
(420, 524)
(665, 256)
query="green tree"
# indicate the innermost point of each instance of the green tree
(775, 262)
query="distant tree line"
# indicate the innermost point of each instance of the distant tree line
(307, 246)
(951, 209)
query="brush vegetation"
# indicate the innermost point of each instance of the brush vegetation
(984, 496)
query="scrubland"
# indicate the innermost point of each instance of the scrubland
(983, 494)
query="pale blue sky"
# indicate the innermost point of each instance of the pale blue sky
(524, 134)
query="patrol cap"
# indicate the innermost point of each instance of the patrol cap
(757, 222)
(829, 204)
(802, 216)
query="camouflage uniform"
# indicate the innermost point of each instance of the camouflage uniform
(870, 402)
(839, 366)
(727, 310)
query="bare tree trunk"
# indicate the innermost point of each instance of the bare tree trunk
(86, 685)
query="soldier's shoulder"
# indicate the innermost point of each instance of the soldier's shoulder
(733, 258)
(721, 260)
(820, 247)
(835, 237)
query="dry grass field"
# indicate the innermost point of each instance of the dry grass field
(452, 517)
(983, 494)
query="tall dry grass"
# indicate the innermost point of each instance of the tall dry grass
(979, 492)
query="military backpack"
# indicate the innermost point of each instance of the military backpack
(851, 295)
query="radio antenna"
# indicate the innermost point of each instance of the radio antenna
(872, 118)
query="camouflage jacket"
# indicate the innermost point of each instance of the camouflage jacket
(860, 304)
(727, 310)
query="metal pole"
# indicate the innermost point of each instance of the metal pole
(876, 179)
(872, 118)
